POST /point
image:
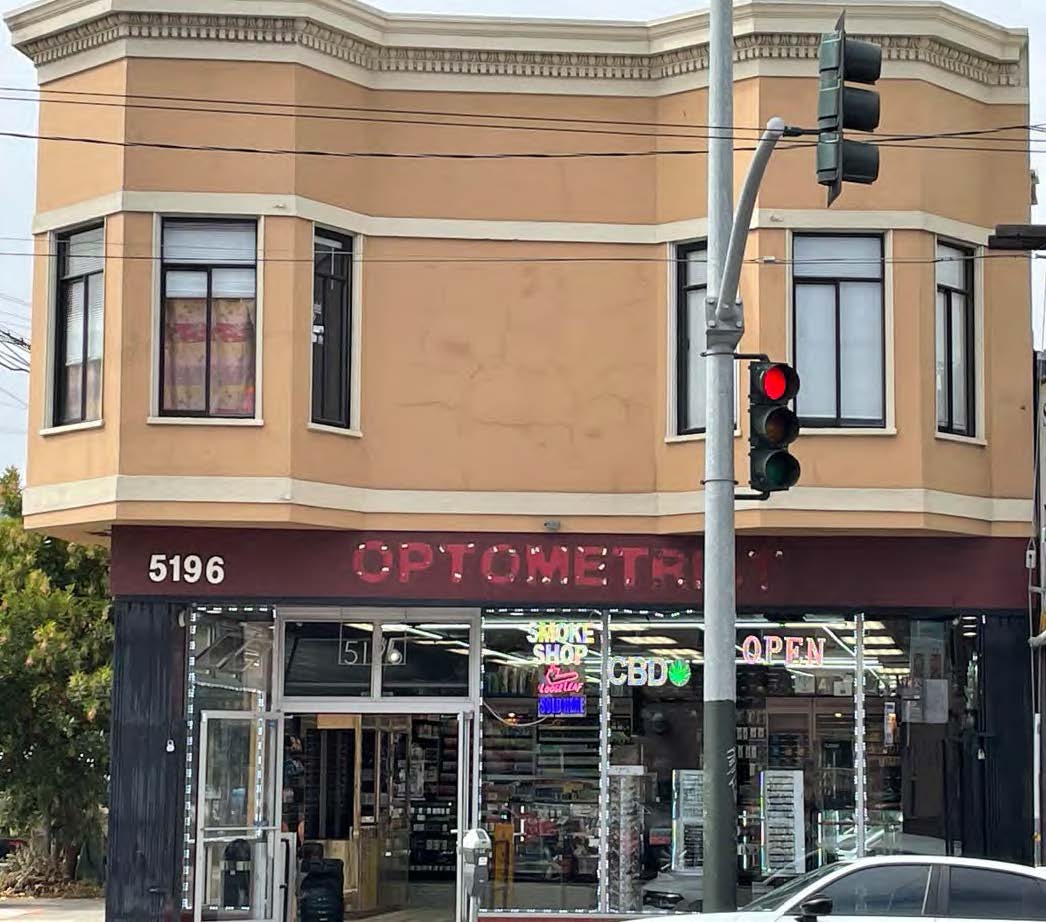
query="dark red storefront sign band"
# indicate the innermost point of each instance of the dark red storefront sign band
(482, 568)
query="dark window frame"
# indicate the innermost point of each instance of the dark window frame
(838, 421)
(344, 357)
(949, 427)
(208, 268)
(62, 282)
(682, 252)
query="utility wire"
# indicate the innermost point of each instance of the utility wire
(707, 132)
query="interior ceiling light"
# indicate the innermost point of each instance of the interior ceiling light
(677, 651)
(875, 640)
(659, 640)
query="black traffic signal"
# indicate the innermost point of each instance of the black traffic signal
(841, 108)
(772, 426)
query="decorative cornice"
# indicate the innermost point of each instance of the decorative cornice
(343, 46)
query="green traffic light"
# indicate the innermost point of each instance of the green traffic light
(781, 471)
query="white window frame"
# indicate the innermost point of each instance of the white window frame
(354, 429)
(889, 406)
(48, 424)
(154, 418)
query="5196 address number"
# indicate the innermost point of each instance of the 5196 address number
(186, 568)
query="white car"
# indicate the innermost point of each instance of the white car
(900, 888)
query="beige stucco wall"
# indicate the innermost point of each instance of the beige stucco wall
(536, 367)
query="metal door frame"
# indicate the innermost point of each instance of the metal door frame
(273, 791)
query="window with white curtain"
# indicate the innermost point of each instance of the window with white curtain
(838, 330)
(208, 326)
(79, 327)
(691, 291)
(956, 407)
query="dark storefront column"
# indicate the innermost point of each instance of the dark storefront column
(144, 801)
(1007, 703)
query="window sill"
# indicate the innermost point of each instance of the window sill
(71, 427)
(804, 431)
(201, 421)
(335, 430)
(693, 437)
(962, 439)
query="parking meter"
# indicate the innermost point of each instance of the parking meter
(475, 859)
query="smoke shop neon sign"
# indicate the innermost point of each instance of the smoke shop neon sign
(560, 649)
(776, 650)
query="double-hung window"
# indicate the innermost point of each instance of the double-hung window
(332, 330)
(691, 291)
(78, 327)
(208, 325)
(956, 409)
(838, 330)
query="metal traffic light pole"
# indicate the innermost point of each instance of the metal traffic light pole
(724, 325)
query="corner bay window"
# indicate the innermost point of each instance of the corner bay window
(838, 330)
(208, 326)
(953, 324)
(78, 327)
(331, 330)
(691, 291)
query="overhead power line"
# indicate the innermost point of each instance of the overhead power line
(461, 155)
(425, 117)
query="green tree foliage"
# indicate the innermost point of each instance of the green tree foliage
(55, 673)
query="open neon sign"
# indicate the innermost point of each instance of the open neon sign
(772, 649)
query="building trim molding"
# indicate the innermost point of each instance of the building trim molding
(123, 488)
(249, 204)
(375, 44)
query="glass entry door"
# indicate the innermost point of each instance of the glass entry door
(237, 818)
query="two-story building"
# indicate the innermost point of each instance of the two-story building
(371, 345)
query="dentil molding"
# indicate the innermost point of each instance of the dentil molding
(370, 56)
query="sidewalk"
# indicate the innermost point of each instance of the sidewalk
(52, 910)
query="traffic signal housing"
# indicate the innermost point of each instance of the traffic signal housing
(841, 108)
(772, 426)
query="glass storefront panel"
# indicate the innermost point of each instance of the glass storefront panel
(328, 658)
(541, 758)
(425, 660)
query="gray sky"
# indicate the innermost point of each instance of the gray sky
(17, 163)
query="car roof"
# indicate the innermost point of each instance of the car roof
(985, 863)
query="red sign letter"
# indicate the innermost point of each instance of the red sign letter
(629, 555)
(588, 572)
(363, 552)
(457, 554)
(546, 569)
(669, 564)
(414, 557)
(486, 564)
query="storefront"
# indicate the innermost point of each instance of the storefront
(336, 709)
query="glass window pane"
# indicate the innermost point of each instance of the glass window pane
(951, 270)
(941, 358)
(540, 771)
(425, 659)
(861, 351)
(838, 257)
(233, 345)
(696, 383)
(83, 252)
(209, 242)
(975, 893)
(898, 890)
(815, 350)
(960, 371)
(697, 267)
(71, 371)
(185, 342)
(328, 658)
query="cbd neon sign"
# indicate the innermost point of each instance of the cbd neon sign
(652, 671)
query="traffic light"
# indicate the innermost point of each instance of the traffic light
(841, 108)
(772, 426)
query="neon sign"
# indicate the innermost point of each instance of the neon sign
(559, 681)
(773, 649)
(560, 643)
(574, 706)
(652, 671)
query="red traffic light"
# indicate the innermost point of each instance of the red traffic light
(776, 382)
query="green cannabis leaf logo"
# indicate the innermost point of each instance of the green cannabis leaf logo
(679, 672)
